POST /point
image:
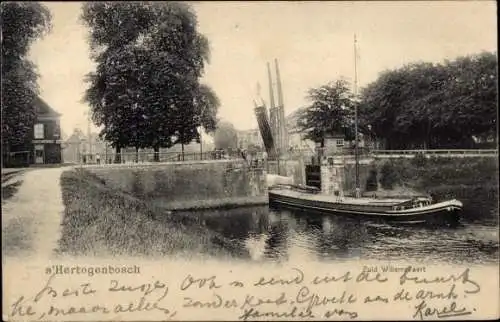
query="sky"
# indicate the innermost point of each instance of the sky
(313, 42)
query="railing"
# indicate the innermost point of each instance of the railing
(435, 153)
(364, 153)
(306, 155)
(371, 152)
(149, 157)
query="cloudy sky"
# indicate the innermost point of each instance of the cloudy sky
(313, 42)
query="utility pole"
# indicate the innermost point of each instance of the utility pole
(88, 134)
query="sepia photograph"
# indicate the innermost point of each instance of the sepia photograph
(241, 160)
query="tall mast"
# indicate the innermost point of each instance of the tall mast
(356, 152)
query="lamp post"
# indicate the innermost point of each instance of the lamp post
(201, 144)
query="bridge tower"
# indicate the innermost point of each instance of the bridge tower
(281, 124)
(273, 112)
(277, 112)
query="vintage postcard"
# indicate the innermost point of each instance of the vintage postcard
(241, 161)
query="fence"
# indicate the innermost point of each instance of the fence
(435, 153)
(307, 155)
(367, 152)
(16, 159)
(148, 157)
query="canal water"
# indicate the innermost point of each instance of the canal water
(283, 234)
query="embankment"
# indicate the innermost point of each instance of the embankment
(188, 186)
(474, 181)
(100, 220)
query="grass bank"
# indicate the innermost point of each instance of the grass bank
(101, 220)
(11, 181)
(472, 180)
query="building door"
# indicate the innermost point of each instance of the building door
(39, 154)
(313, 176)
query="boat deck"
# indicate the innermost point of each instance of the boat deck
(321, 197)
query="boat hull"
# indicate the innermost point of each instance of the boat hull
(448, 215)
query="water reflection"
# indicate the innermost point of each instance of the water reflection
(279, 234)
(276, 241)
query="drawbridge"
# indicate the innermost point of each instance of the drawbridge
(265, 131)
(272, 126)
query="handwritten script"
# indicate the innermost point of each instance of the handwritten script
(293, 294)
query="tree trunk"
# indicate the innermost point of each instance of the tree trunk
(428, 136)
(201, 148)
(156, 157)
(136, 155)
(156, 154)
(182, 151)
(118, 158)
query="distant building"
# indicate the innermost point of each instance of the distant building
(249, 138)
(295, 138)
(72, 147)
(78, 148)
(334, 144)
(46, 135)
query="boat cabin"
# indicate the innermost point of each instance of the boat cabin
(417, 202)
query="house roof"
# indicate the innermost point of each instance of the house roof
(79, 136)
(76, 136)
(42, 108)
(335, 136)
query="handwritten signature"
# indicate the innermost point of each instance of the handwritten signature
(423, 310)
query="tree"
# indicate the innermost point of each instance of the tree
(146, 90)
(470, 104)
(225, 136)
(22, 24)
(114, 30)
(331, 112)
(433, 105)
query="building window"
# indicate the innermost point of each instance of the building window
(39, 131)
(340, 142)
(57, 131)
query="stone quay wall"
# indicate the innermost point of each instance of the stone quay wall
(189, 185)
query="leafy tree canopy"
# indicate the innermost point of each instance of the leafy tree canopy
(225, 136)
(434, 105)
(22, 24)
(331, 112)
(146, 89)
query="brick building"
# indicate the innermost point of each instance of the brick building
(46, 135)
